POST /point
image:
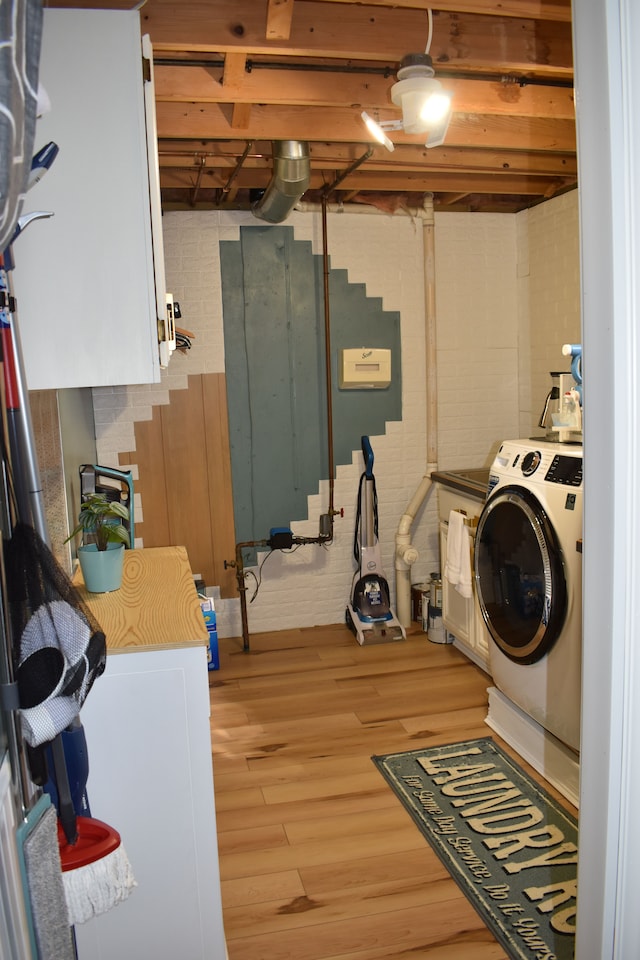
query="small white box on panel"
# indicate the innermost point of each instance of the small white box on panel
(365, 368)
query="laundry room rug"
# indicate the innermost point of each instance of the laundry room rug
(507, 843)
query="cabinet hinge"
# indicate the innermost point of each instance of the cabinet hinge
(146, 70)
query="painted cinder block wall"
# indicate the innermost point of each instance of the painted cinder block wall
(549, 278)
(496, 276)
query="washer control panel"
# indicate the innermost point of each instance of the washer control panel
(541, 461)
(530, 462)
(565, 470)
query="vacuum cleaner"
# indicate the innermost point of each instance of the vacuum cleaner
(369, 613)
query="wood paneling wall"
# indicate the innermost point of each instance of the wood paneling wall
(184, 478)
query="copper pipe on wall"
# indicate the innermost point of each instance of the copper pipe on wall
(242, 586)
(327, 347)
(238, 563)
(325, 537)
(406, 554)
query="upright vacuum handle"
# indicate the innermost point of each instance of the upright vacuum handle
(367, 453)
(66, 812)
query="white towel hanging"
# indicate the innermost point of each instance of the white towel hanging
(463, 586)
(453, 567)
(457, 569)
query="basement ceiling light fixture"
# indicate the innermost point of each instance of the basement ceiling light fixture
(426, 107)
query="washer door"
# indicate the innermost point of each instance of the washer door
(519, 575)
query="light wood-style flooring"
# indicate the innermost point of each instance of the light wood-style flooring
(318, 858)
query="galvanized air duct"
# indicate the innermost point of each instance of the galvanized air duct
(289, 181)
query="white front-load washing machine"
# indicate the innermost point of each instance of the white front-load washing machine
(528, 573)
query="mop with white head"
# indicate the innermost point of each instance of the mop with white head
(95, 887)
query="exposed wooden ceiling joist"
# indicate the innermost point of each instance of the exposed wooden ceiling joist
(230, 73)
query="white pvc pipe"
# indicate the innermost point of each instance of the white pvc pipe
(406, 554)
(304, 206)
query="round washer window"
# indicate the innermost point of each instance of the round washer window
(519, 575)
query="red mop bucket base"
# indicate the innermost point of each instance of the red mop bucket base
(95, 841)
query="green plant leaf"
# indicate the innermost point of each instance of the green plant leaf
(119, 508)
(100, 518)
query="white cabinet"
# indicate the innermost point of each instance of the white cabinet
(84, 278)
(461, 616)
(147, 726)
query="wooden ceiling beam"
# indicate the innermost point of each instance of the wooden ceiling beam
(224, 156)
(267, 70)
(241, 116)
(559, 10)
(199, 84)
(473, 203)
(426, 181)
(211, 120)
(457, 183)
(231, 81)
(279, 15)
(449, 157)
(358, 32)
(554, 10)
(465, 186)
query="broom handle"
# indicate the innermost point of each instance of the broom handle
(31, 505)
(21, 434)
(27, 793)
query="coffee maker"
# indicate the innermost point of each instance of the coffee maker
(561, 382)
(561, 416)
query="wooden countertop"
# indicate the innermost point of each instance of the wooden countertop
(156, 607)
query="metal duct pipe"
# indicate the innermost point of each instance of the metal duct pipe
(291, 174)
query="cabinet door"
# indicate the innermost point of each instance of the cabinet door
(150, 777)
(84, 279)
(481, 637)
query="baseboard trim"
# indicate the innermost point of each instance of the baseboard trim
(546, 754)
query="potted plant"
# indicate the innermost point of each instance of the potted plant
(101, 560)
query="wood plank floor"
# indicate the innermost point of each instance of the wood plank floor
(318, 858)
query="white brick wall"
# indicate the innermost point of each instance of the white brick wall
(549, 297)
(487, 290)
(476, 301)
